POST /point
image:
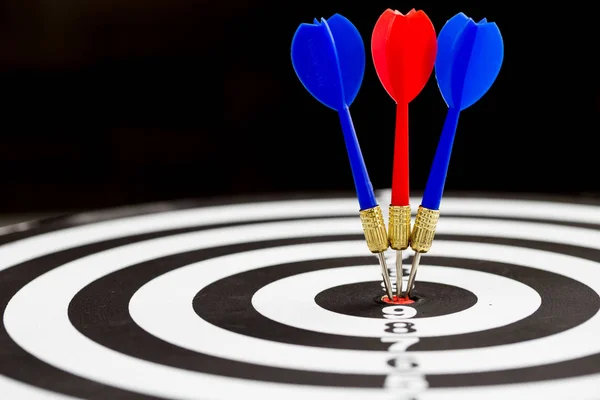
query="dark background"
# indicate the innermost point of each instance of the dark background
(116, 102)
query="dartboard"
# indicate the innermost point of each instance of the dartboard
(281, 299)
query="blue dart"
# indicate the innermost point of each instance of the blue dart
(468, 61)
(329, 59)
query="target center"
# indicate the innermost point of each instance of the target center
(397, 300)
(361, 299)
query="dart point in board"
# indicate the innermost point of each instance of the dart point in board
(397, 300)
(468, 62)
(329, 59)
(404, 49)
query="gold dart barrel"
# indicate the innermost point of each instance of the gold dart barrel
(399, 238)
(374, 228)
(399, 227)
(421, 239)
(377, 241)
(424, 229)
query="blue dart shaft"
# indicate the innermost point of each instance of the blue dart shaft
(434, 188)
(364, 188)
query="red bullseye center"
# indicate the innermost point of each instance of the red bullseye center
(397, 300)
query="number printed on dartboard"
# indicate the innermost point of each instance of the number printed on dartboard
(404, 381)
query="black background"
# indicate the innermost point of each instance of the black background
(115, 102)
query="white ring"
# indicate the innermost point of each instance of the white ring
(299, 309)
(20, 251)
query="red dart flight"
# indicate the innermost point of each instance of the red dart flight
(404, 49)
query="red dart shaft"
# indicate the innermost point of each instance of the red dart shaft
(400, 184)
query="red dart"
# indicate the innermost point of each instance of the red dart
(404, 49)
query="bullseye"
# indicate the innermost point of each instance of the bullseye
(397, 300)
(434, 299)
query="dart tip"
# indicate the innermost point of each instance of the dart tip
(398, 273)
(385, 274)
(413, 275)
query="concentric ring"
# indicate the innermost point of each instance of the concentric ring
(77, 237)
